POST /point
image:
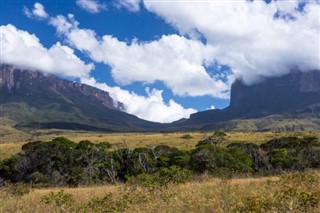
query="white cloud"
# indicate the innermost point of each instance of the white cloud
(23, 49)
(20, 48)
(176, 61)
(247, 36)
(152, 107)
(37, 12)
(91, 6)
(131, 5)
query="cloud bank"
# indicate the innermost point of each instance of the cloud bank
(254, 38)
(23, 49)
(151, 107)
(175, 60)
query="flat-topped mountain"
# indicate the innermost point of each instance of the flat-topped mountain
(33, 99)
(289, 102)
(28, 83)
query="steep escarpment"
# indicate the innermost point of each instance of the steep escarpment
(289, 102)
(37, 100)
(25, 82)
(276, 95)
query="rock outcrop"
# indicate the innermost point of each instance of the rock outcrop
(20, 81)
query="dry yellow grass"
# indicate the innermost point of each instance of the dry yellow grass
(189, 192)
(133, 140)
(9, 149)
(210, 195)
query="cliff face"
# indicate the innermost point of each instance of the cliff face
(23, 82)
(293, 96)
(276, 95)
(34, 100)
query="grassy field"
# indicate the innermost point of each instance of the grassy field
(11, 144)
(287, 193)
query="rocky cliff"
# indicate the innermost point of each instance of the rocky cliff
(23, 82)
(36, 100)
(276, 95)
(266, 105)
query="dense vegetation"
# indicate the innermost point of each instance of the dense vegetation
(64, 162)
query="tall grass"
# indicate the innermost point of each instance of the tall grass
(294, 192)
(11, 144)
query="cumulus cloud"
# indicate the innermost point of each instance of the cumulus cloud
(131, 5)
(254, 38)
(38, 11)
(151, 107)
(178, 62)
(23, 49)
(91, 6)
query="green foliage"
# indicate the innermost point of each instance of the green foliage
(105, 204)
(104, 145)
(165, 176)
(211, 158)
(61, 201)
(282, 143)
(38, 177)
(260, 161)
(217, 138)
(280, 159)
(17, 189)
(64, 162)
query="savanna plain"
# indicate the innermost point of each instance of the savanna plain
(287, 188)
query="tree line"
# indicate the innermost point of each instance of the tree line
(64, 162)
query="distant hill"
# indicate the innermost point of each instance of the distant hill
(290, 102)
(35, 100)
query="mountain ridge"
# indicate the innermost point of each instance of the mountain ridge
(34, 99)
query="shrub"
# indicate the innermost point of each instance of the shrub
(212, 159)
(61, 200)
(280, 159)
(186, 136)
(169, 175)
(17, 189)
(217, 138)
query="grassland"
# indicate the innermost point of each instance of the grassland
(287, 193)
(11, 140)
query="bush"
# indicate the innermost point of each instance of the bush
(280, 159)
(17, 189)
(212, 159)
(186, 136)
(170, 175)
(61, 200)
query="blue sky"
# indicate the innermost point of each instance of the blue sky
(163, 59)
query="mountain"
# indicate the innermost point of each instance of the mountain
(34, 100)
(289, 102)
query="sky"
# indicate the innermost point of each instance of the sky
(164, 59)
